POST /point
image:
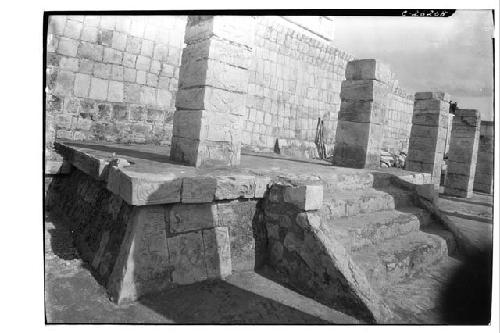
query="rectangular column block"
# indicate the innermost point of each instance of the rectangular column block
(363, 111)
(427, 142)
(483, 179)
(462, 155)
(213, 82)
(367, 69)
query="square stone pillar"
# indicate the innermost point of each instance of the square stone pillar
(363, 106)
(428, 133)
(462, 155)
(213, 82)
(483, 180)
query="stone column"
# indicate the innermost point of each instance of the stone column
(483, 180)
(462, 155)
(212, 90)
(363, 96)
(428, 133)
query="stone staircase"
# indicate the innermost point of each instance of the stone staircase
(401, 250)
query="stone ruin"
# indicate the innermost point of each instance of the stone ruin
(214, 86)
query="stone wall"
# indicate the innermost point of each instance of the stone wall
(112, 78)
(397, 124)
(294, 80)
(115, 78)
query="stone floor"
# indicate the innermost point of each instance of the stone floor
(471, 220)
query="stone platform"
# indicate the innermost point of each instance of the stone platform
(146, 224)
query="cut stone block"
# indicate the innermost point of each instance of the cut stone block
(189, 217)
(363, 90)
(431, 106)
(143, 264)
(220, 50)
(305, 197)
(207, 126)
(205, 153)
(237, 186)
(187, 258)
(149, 189)
(432, 95)
(237, 29)
(362, 112)
(367, 69)
(211, 99)
(208, 72)
(217, 252)
(198, 189)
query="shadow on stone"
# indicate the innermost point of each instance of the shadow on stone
(466, 300)
(218, 302)
(469, 201)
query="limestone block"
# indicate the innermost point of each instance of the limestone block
(206, 153)
(363, 90)
(188, 217)
(237, 29)
(198, 189)
(220, 50)
(261, 186)
(487, 128)
(430, 106)
(143, 263)
(211, 99)
(237, 186)
(92, 166)
(246, 235)
(217, 252)
(367, 69)
(457, 181)
(208, 72)
(113, 181)
(207, 125)
(431, 119)
(361, 112)
(432, 95)
(353, 133)
(459, 168)
(305, 197)
(428, 144)
(149, 189)
(421, 131)
(187, 258)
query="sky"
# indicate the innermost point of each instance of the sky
(453, 54)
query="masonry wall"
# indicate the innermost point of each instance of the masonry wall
(115, 78)
(398, 120)
(294, 80)
(112, 78)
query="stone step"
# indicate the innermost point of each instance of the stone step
(370, 229)
(418, 300)
(441, 231)
(337, 204)
(397, 259)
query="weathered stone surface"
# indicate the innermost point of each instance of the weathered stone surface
(217, 252)
(208, 72)
(149, 189)
(363, 90)
(432, 95)
(246, 233)
(205, 153)
(431, 119)
(92, 166)
(188, 217)
(211, 99)
(207, 125)
(428, 191)
(361, 112)
(143, 265)
(432, 106)
(198, 189)
(235, 29)
(462, 153)
(367, 69)
(483, 179)
(237, 186)
(186, 257)
(218, 49)
(261, 186)
(305, 197)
